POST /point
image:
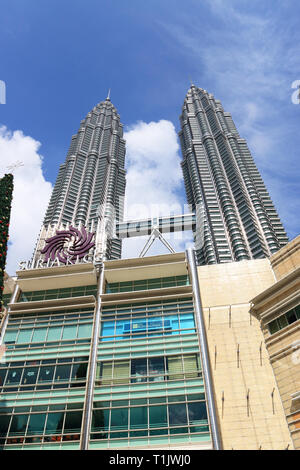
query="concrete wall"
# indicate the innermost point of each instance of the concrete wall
(249, 407)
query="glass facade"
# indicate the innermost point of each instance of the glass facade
(37, 424)
(160, 416)
(51, 294)
(43, 378)
(47, 330)
(148, 387)
(146, 284)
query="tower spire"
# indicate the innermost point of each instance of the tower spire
(108, 95)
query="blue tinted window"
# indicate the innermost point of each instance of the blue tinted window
(155, 323)
(108, 328)
(122, 327)
(171, 323)
(187, 321)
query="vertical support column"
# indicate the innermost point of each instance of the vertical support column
(89, 394)
(204, 351)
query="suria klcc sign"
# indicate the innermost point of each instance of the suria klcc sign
(66, 247)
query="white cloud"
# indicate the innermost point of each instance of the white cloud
(30, 196)
(153, 182)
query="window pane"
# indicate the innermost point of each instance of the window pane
(108, 328)
(172, 323)
(196, 396)
(46, 373)
(273, 327)
(106, 373)
(79, 371)
(10, 336)
(36, 423)
(18, 425)
(39, 335)
(158, 416)
(291, 316)
(4, 423)
(119, 419)
(2, 377)
(85, 330)
(54, 333)
(187, 321)
(24, 336)
(138, 417)
(138, 370)
(100, 420)
(282, 321)
(155, 323)
(179, 430)
(30, 375)
(156, 366)
(121, 372)
(69, 332)
(176, 398)
(63, 372)
(190, 365)
(139, 326)
(177, 414)
(54, 423)
(14, 376)
(73, 421)
(174, 366)
(120, 328)
(197, 413)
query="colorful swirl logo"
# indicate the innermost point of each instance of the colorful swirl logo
(56, 246)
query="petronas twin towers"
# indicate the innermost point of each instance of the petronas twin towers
(236, 218)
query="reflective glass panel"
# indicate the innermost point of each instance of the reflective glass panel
(197, 412)
(46, 373)
(158, 416)
(138, 417)
(119, 419)
(36, 423)
(18, 425)
(54, 423)
(30, 375)
(100, 420)
(73, 421)
(24, 336)
(177, 414)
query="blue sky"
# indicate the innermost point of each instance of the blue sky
(59, 58)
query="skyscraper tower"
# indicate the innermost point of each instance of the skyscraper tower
(236, 217)
(91, 182)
